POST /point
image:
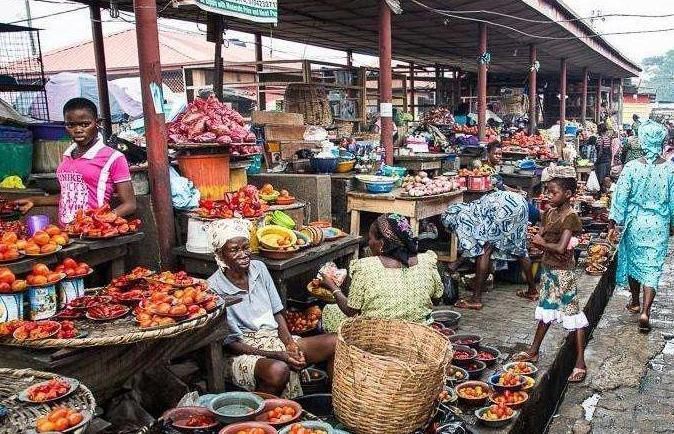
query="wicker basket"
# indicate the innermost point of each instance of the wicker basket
(388, 375)
(309, 100)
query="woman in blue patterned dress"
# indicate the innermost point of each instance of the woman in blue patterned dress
(492, 228)
(643, 206)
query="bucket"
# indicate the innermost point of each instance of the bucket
(11, 307)
(197, 236)
(70, 289)
(42, 301)
(209, 173)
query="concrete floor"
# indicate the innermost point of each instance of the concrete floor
(630, 383)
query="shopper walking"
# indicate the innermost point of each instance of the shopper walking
(643, 205)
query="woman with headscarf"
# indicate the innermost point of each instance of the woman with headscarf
(643, 206)
(493, 228)
(261, 354)
(396, 282)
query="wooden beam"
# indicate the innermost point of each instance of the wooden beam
(101, 72)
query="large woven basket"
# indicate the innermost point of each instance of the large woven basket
(388, 375)
(311, 101)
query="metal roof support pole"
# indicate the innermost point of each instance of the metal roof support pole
(583, 98)
(218, 63)
(597, 101)
(149, 66)
(482, 84)
(101, 70)
(457, 83)
(413, 98)
(533, 94)
(349, 58)
(261, 95)
(562, 98)
(620, 102)
(385, 80)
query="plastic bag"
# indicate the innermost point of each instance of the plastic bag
(450, 293)
(184, 195)
(593, 183)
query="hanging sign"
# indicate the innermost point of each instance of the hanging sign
(258, 11)
(386, 110)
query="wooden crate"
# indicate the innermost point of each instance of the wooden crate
(277, 118)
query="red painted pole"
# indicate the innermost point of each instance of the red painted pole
(597, 102)
(562, 98)
(155, 133)
(261, 95)
(385, 80)
(533, 94)
(101, 72)
(583, 98)
(482, 86)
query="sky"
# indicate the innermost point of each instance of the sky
(634, 46)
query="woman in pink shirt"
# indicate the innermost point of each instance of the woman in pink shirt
(90, 171)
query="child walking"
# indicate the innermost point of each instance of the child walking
(558, 300)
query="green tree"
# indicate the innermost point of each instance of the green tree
(660, 73)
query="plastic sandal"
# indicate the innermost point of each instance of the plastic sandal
(577, 375)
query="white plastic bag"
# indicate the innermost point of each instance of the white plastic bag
(593, 183)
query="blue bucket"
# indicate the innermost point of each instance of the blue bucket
(11, 306)
(42, 300)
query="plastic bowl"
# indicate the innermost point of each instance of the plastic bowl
(451, 375)
(511, 367)
(530, 383)
(318, 404)
(493, 381)
(475, 369)
(345, 166)
(231, 407)
(310, 424)
(472, 341)
(491, 350)
(494, 423)
(323, 165)
(271, 404)
(446, 317)
(179, 414)
(473, 401)
(233, 429)
(463, 348)
(379, 187)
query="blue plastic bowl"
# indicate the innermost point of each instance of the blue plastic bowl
(323, 165)
(379, 187)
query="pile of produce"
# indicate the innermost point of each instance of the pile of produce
(439, 116)
(9, 283)
(275, 237)
(72, 268)
(101, 223)
(161, 308)
(209, 121)
(422, 185)
(483, 170)
(597, 259)
(490, 134)
(303, 321)
(244, 203)
(270, 195)
(280, 218)
(59, 419)
(497, 412)
(41, 275)
(534, 145)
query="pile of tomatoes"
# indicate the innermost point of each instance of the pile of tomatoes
(41, 275)
(300, 322)
(59, 419)
(498, 412)
(35, 330)
(299, 429)
(281, 414)
(72, 268)
(9, 283)
(101, 223)
(161, 308)
(509, 398)
(243, 203)
(509, 379)
(473, 392)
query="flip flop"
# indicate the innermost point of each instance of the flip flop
(524, 293)
(644, 325)
(577, 375)
(465, 304)
(523, 356)
(633, 308)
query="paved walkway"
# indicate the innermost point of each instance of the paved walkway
(630, 383)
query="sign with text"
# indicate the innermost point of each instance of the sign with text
(258, 11)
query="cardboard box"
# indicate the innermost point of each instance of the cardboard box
(277, 118)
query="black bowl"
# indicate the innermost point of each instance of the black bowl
(474, 340)
(478, 368)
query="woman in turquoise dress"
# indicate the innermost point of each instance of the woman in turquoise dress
(643, 205)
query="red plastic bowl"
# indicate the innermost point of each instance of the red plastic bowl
(233, 429)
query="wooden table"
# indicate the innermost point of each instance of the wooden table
(112, 251)
(583, 173)
(104, 369)
(311, 259)
(415, 209)
(526, 182)
(418, 162)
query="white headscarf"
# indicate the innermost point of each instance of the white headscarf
(221, 231)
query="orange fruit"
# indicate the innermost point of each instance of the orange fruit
(48, 248)
(32, 249)
(59, 239)
(41, 238)
(40, 270)
(53, 277)
(19, 285)
(7, 276)
(52, 230)
(39, 280)
(9, 237)
(21, 244)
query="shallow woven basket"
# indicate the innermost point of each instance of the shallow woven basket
(388, 375)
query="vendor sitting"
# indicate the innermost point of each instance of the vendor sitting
(396, 282)
(494, 160)
(261, 353)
